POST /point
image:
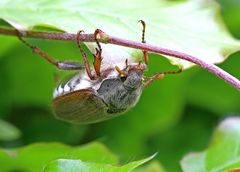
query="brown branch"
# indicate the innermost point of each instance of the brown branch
(104, 38)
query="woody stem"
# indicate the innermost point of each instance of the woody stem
(104, 38)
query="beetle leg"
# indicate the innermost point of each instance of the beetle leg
(98, 55)
(86, 62)
(59, 64)
(149, 80)
(145, 53)
(159, 76)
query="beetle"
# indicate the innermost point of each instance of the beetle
(108, 91)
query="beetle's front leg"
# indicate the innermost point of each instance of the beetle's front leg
(149, 80)
(159, 76)
(145, 53)
(98, 55)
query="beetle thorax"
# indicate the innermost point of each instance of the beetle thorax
(120, 94)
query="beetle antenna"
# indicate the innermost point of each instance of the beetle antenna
(120, 71)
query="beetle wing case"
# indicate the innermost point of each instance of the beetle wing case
(81, 107)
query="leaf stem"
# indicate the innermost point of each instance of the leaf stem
(104, 38)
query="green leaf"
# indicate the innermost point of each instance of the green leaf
(41, 153)
(192, 27)
(8, 44)
(70, 165)
(211, 93)
(8, 131)
(223, 152)
(153, 166)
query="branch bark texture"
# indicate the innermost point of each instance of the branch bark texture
(104, 38)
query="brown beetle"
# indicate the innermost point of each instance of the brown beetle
(107, 92)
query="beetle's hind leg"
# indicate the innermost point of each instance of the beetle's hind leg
(145, 53)
(159, 76)
(59, 64)
(86, 62)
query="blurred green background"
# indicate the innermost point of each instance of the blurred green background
(173, 117)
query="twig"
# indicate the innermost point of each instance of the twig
(104, 38)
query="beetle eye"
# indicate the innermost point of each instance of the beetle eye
(123, 78)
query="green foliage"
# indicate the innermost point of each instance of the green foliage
(8, 131)
(223, 152)
(218, 98)
(153, 166)
(41, 153)
(175, 116)
(63, 165)
(53, 157)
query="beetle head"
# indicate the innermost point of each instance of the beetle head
(134, 77)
